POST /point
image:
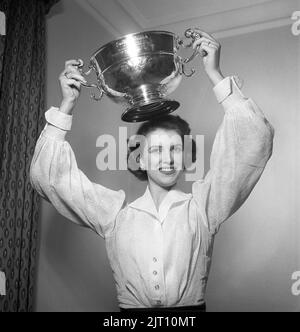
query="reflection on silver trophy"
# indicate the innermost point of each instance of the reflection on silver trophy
(140, 70)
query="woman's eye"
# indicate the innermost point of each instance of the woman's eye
(178, 149)
(155, 150)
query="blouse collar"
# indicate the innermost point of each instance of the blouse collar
(146, 203)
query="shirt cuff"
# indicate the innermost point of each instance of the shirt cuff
(59, 119)
(53, 132)
(228, 91)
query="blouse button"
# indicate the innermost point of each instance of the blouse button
(157, 287)
(154, 259)
(155, 273)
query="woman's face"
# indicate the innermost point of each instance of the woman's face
(162, 157)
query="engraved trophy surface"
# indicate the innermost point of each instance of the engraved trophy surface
(140, 71)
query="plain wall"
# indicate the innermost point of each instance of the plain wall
(256, 251)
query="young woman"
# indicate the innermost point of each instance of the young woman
(160, 245)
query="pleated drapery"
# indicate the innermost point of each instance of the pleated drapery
(22, 103)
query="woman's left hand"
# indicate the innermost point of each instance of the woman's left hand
(210, 50)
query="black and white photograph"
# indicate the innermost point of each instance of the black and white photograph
(149, 158)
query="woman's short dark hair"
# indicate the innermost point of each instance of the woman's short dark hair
(168, 122)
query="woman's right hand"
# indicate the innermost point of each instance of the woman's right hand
(70, 82)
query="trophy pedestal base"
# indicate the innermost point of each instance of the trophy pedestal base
(148, 111)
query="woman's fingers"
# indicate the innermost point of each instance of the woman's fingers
(71, 72)
(210, 50)
(206, 35)
(76, 76)
(204, 50)
(207, 41)
(72, 66)
(205, 46)
(206, 38)
(73, 83)
(73, 63)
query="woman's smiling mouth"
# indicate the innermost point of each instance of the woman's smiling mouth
(167, 171)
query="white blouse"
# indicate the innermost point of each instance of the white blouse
(160, 258)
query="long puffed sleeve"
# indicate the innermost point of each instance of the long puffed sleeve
(54, 174)
(241, 149)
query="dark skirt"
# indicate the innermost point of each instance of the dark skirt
(198, 308)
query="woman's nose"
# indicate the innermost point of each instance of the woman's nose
(167, 157)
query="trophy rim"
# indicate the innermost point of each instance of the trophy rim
(132, 35)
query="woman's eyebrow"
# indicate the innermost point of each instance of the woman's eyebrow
(158, 146)
(154, 147)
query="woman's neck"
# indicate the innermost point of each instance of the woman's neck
(158, 193)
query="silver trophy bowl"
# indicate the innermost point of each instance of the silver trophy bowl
(139, 72)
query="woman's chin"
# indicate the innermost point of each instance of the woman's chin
(167, 181)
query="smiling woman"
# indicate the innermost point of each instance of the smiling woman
(160, 245)
(167, 131)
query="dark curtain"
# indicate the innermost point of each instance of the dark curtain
(22, 102)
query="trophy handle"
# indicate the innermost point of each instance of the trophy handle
(190, 33)
(91, 85)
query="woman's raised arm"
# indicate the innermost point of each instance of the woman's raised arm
(242, 146)
(241, 149)
(54, 173)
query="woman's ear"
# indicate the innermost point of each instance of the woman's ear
(143, 159)
(142, 165)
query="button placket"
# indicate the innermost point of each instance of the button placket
(155, 274)
(157, 268)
